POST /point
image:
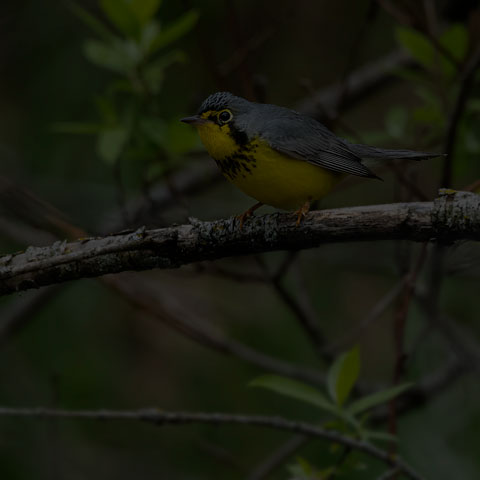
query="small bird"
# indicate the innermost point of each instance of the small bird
(278, 156)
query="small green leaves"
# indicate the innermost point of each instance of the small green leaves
(175, 30)
(444, 56)
(121, 14)
(111, 143)
(342, 376)
(144, 10)
(455, 41)
(377, 398)
(396, 122)
(129, 41)
(417, 45)
(294, 389)
(107, 56)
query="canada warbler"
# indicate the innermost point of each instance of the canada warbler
(278, 156)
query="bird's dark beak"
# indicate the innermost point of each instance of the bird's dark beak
(195, 120)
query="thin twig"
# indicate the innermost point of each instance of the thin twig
(427, 388)
(375, 313)
(354, 52)
(402, 178)
(277, 457)
(389, 474)
(361, 82)
(305, 316)
(161, 418)
(466, 83)
(399, 331)
(143, 296)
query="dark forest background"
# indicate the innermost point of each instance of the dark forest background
(91, 94)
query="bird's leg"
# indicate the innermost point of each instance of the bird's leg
(241, 218)
(302, 211)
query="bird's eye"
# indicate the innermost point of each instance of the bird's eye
(225, 116)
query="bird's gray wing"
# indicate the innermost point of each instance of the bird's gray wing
(306, 139)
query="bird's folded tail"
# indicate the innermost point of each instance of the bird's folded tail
(367, 152)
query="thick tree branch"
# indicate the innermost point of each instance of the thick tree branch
(453, 216)
(162, 418)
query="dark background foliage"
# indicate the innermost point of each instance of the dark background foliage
(89, 124)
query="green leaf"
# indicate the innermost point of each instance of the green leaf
(107, 56)
(111, 143)
(396, 122)
(377, 398)
(417, 44)
(429, 116)
(120, 13)
(144, 10)
(175, 30)
(297, 390)
(342, 375)
(455, 40)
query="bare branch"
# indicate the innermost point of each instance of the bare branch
(375, 313)
(142, 295)
(427, 388)
(466, 84)
(453, 216)
(365, 79)
(302, 311)
(161, 418)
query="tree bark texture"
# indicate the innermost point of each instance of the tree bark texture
(451, 217)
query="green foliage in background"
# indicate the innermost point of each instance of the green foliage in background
(137, 49)
(436, 84)
(346, 417)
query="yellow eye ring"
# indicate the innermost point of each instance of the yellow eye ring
(225, 116)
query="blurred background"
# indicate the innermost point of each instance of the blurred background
(91, 93)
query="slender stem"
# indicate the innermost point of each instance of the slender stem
(466, 84)
(161, 418)
(399, 331)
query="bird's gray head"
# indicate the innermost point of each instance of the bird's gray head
(226, 113)
(224, 101)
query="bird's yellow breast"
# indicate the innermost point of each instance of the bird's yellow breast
(263, 173)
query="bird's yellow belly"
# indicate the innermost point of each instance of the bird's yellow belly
(283, 182)
(265, 174)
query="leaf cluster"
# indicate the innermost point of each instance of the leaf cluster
(339, 410)
(136, 49)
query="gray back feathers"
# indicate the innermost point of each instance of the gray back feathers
(301, 137)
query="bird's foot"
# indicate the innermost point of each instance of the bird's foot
(301, 213)
(241, 218)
